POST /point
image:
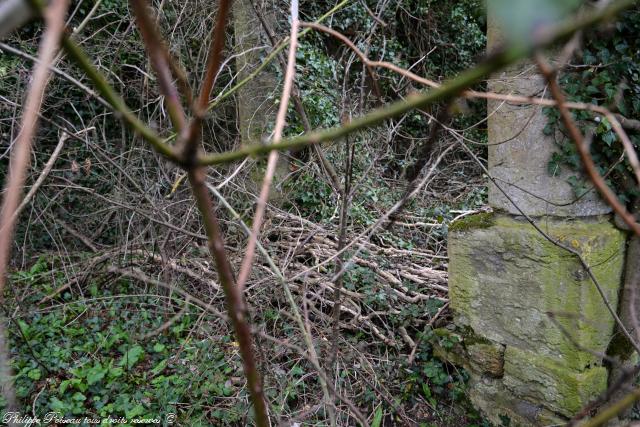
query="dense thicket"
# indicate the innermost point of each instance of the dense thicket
(93, 329)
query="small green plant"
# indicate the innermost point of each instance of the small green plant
(312, 197)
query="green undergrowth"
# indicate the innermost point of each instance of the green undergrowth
(121, 350)
(91, 357)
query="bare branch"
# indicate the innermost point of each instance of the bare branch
(54, 18)
(215, 55)
(245, 269)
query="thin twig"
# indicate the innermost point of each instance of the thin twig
(43, 175)
(345, 197)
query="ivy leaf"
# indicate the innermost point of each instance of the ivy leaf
(591, 89)
(78, 397)
(132, 356)
(622, 46)
(96, 374)
(64, 385)
(609, 138)
(34, 374)
(553, 167)
(549, 129)
(159, 367)
(56, 404)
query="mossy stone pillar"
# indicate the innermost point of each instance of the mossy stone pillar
(531, 323)
(526, 312)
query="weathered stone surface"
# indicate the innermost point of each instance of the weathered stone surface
(256, 107)
(630, 301)
(487, 358)
(620, 349)
(500, 404)
(537, 378)
(504, 279)
(519, 152)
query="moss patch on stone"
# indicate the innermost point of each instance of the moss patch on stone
(549, 381)
(477, 221)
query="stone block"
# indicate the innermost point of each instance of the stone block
(487, 358)
(550, 382)
(505, 278)
(500, 404)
